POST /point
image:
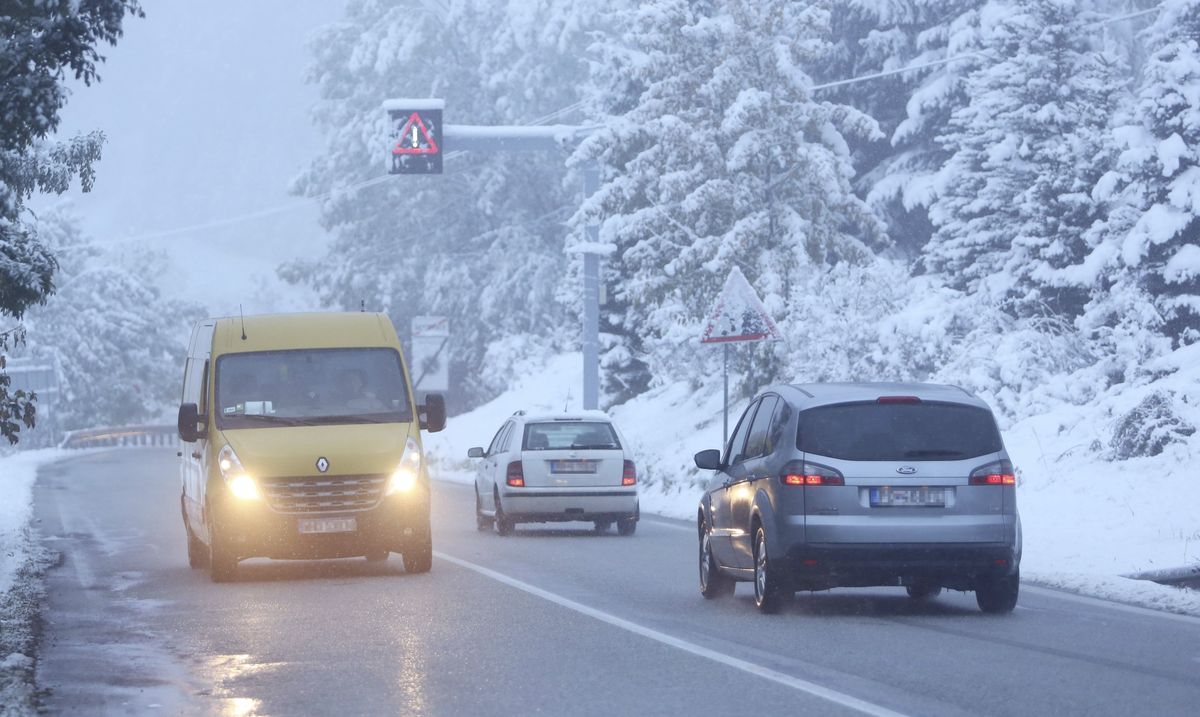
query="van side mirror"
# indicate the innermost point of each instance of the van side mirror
(434, 409)
(189, 423)
(475, 452)
(709, 460)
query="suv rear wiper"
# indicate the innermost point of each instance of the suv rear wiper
(593, 446)
(931, 453)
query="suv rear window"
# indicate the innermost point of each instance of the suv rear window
(576, 435)
(898, 431)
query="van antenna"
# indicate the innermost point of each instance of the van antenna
(243, 317)
(567, 402)
(362, 305)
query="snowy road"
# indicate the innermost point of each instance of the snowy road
(549, 621)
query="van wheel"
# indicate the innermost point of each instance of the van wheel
(998, 595)
(222, 560)
(626, 526)
(713, 583)
(197, 551)
(418, 555)
(768, 585)
(482, 522)
(602, 526)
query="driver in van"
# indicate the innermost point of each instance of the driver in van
(352, 385)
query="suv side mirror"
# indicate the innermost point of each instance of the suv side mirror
(434, 409)
(709, 460)
(476, 452)
(189, 423)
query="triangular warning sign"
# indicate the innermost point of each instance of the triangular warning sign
(739, 315)
(415, 138)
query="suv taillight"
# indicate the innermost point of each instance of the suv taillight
(998, 473)
(629, 475)
(515, 475)
(801, 473)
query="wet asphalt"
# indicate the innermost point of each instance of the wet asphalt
(552, 620)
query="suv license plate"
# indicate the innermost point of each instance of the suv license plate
(328, 525)
(903, 497)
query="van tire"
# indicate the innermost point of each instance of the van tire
(222, 559)
(197, 551)
(418, 555)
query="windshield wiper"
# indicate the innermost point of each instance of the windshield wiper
(932, 453)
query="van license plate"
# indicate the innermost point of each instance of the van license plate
(903, 497)
(572, 466)
(328, 525)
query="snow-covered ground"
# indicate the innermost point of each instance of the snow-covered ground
(1087, 521)
(21, 561)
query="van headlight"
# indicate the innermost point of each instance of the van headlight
(241, 483)
(405, 477)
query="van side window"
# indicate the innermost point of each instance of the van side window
(735, 452)
(185, 389)
(756, 443)
(193, 383)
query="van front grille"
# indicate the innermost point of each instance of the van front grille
(323, 494)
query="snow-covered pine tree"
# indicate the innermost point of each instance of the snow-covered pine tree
(715, 155)
(912, 108)
(483, 243)
(114, 336)
(1154, 235)
(1014, 199)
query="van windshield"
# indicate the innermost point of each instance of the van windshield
(924, 431)
(311, 387)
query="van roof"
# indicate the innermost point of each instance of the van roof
(275, 332)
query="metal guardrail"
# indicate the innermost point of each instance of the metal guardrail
(1187, 576)
(123, 437)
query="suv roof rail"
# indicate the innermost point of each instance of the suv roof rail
(520, 412)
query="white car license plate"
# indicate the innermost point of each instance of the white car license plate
(572, 466)
(328, 525)
(923, 497)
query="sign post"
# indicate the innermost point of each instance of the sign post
(738, 315)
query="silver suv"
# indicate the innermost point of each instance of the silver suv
(862, 484)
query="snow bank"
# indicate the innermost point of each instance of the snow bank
(17, 473)
(1087, 519)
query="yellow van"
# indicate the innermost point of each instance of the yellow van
(305, 442)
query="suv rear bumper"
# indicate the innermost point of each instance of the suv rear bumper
(954, 565)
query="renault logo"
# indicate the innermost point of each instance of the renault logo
(906, 470)
(322, 464)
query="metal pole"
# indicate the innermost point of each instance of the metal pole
(725, 423)
(591, 300)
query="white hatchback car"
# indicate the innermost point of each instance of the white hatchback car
(556, 468)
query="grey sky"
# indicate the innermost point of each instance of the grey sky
(207, 116)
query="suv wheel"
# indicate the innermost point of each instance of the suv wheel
(768, 586)
(998, 595)
(482, 522)
(713, 583)
(923, 591)
(602, 526)
(627, 526)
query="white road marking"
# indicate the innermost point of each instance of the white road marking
(1109, 604)
(766, 673)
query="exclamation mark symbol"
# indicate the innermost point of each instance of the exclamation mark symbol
(414, 137)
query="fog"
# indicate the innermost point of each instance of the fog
(207, 117)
